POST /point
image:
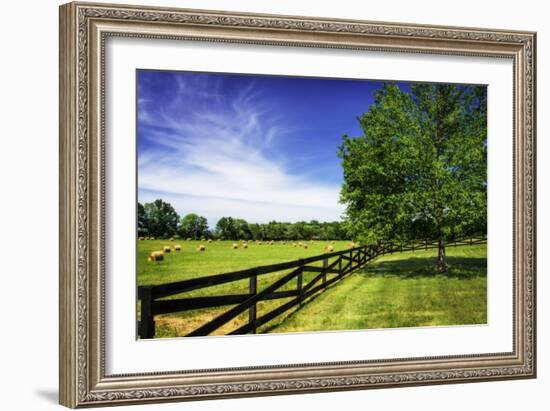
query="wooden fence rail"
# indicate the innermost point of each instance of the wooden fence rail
(344, 263)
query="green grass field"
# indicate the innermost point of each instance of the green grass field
(399, 290)
(219, 257)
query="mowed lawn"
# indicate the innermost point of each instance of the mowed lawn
(401, 290)
(220, 257)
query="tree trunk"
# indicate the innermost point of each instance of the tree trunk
(441, 257)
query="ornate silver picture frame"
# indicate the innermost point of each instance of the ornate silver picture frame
(84, 30)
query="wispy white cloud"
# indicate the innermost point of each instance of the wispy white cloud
(213, 154)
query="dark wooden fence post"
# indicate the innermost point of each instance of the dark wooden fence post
(299, 282)
(253, 289)
(325, 265)
(340, 273)
(147, 322)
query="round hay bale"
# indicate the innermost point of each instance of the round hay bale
(245, 245)
(156, 256)
(166, 249)
(201, 248)
(235, 246)
(209, 240)
(177, 247)
(329, 249)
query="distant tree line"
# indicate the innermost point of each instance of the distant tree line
(160, 219)
(229, 228)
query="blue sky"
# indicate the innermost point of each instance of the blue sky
(260, 148)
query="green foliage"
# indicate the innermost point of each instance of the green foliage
(159, 218)
(420, 168)
(229, 228)
(193, 226)
(142, 223)
(226, 229)
(242, 230)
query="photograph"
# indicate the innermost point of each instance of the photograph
(286, 204)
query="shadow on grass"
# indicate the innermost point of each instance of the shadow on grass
(417, 267)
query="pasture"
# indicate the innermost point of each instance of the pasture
(399, 290)
(219, 257)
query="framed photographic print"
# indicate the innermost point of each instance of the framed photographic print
(259, 204)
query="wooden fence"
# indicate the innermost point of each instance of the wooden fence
(328, 273)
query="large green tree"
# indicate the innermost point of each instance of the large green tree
(420, 167)
(193, 226)
(161, 218)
